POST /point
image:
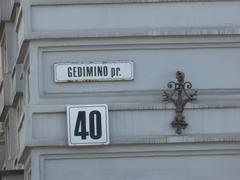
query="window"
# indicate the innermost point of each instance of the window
(8, 139)
(1, 64)
(4, 62)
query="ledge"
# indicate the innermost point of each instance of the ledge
(46, 2)
(138, 32)
(11, 172)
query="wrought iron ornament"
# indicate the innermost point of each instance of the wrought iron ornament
(179, 97)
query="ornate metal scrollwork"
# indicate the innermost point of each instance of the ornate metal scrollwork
(179, 97)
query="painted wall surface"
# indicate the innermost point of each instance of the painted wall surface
(136, 162)
(152, 15)
(200, 38)
(142, 168)
(138, 114)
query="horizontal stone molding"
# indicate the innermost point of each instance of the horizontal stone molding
(202, 54)
(136, 124)
(53, 2)
(148, 164)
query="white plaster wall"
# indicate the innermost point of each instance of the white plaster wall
(139, 119)
(144, 168)
(150, 15)
(212, 67)
(136, 162)
(140, 126)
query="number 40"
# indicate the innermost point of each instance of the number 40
(95, 125)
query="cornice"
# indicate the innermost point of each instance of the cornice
(53, 2)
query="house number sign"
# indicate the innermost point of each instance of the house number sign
(88, 124)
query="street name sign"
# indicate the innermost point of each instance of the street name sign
(104, 71)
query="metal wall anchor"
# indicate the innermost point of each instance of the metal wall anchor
(179, 97)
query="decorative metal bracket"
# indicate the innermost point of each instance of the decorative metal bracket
(179, 97)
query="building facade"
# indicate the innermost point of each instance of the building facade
(128, 56)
